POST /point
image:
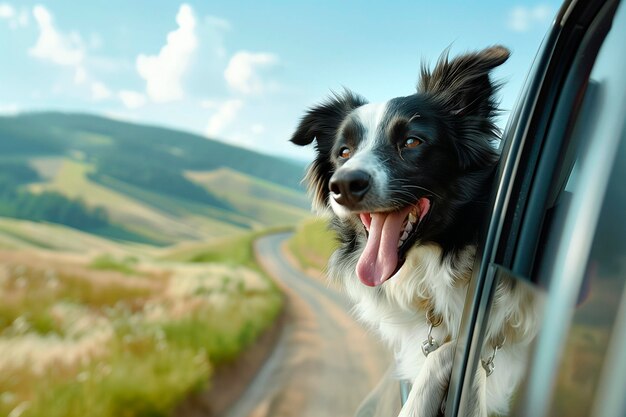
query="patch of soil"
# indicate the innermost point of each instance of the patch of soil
(229, 381)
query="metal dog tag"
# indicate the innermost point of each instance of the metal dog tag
(429, 346)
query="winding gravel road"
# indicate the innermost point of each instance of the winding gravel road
(324, 364)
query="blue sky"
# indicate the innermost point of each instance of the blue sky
(243, 71)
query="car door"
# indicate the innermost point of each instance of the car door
(560, 164)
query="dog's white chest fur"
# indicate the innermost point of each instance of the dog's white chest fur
(397, 310)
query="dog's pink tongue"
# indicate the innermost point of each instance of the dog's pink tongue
(380, 256)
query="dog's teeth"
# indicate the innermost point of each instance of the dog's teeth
(407, 227)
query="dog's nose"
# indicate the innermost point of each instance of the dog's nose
(349, 187)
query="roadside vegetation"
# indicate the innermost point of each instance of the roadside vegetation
(312, 244)
(234, 250)
(119, 336)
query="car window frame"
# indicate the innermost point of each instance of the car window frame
(524, 140)
(566, 268)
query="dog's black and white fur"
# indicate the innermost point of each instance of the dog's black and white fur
(407, 183)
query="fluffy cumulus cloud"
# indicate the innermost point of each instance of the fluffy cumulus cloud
(163, 72)
(132, 99)
(193, 54)
(243, 71)
(225, 113)
(523, 19)
(54, 46)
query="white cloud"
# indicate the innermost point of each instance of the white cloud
(54, 46)
(132, 99)
(9, 109)
(241, 74)
(163, 72)
(6, 11)
(224, 115)
(15, 19)
(522, 19)
(99, 91)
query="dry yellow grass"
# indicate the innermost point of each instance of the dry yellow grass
(76, 341)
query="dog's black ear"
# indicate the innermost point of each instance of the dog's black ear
(321, 123)
(463, 85)
(463, 88)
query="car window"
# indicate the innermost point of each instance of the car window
(597, 304)
(581, 255)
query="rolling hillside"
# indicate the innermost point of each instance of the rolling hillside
(153, 185)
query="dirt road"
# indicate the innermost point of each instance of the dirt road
(325, 364)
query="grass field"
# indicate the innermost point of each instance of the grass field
(115, 334)
(219, 181)
(24, 234)
(167, 219)
(270, 204)
(312, 244)
(234, 250)
(70, 178)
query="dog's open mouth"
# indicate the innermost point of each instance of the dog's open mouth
(390, 234)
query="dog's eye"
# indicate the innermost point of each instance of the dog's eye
(412, 142)
(345, 152)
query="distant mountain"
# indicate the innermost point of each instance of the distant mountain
(154, 184)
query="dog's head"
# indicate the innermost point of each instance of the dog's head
(401, 171)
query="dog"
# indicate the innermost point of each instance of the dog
(407, 184)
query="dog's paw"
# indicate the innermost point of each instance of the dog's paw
(429, 388)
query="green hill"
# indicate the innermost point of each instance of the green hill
(141, 183)
(108, 140)
(253, 197)
(24, 234)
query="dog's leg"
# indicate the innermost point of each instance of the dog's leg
(430, 386)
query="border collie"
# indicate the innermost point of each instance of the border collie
(407, 183)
